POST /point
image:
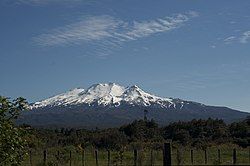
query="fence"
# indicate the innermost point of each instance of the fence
(164, 157)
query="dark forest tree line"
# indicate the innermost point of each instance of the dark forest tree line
(197, 133)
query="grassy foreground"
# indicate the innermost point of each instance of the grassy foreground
(144, 157)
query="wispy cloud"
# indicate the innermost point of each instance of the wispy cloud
(86, 30)
(147, 28)
(245, 37)
(108, 32)
(229, 40)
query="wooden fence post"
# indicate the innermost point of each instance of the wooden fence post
(31, 158)
(249, 154)
(96, 157)
(205, 153)
(234, 156)
(219, 159)
(58, 157)
(83, 157)
(70, 158)
(151, 158)
(167, 154)
(45, 157)
(135, 157)
(192, 156)
(108, 157)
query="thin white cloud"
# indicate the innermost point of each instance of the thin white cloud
(229, 39)
(86, 30)
(147, 28)
(106, 32)
(232, 22)
(245, 37)
(193, 13)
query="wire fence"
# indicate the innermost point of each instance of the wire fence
(142, 157)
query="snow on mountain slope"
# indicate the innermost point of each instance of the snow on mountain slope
(103, 94)
(64, 98)
(106, 94)
(136, 95)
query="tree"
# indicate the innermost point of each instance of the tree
(12, 138)
(141, 130)
(111, 139)
(182, 136)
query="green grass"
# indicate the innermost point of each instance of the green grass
(144, 157)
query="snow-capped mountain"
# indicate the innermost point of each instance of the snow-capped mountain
(110, 94)
(110, 105)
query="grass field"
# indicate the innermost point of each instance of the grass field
(144, 157)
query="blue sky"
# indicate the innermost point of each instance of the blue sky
(191, 49)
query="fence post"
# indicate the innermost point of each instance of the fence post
(31, 158)
(96, 157)
(192, 156)
(108, 157)
(167, 154)
(151, 158)
(83, 157)
(219, 159)
(135, 157)
(58, 157)
(45, 157)
(249, 154)
(70, 158)
(234, 156)
(205, 153)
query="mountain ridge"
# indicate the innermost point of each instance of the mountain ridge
(111, 105)
(106, 94)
